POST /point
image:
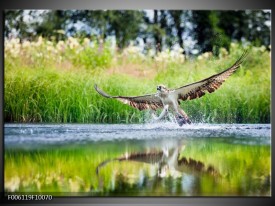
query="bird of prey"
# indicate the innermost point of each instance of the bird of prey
(169, 99)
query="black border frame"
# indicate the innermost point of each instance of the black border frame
(132, 5)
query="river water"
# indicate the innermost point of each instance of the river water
(35, 135)
(150, 165)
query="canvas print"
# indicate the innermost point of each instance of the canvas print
(139, 103)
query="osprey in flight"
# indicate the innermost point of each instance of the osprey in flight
(169, 99)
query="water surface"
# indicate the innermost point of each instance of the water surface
(159, 159)
(17, 135)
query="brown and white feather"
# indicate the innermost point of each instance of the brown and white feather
(210, 84)
(149, 101)
(187, 92)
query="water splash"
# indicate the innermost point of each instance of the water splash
(59, 134)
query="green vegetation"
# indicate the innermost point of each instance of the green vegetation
(73, 169)
(157, 29)
(53, 82)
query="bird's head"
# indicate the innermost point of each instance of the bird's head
(161, 88)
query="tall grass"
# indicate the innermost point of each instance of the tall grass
(58, 86)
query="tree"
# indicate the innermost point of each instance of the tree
(209, 36)
(178, 24)
(125, 25)
(209, 29)
(53, 23)
(15, 24)
(215, 29)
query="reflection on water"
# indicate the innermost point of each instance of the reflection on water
(179, 173)
(167, 160)
(139, 160)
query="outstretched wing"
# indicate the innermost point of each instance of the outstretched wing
(148, 157)
(210, 84)
(149, 101)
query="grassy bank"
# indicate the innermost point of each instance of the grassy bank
(53, 82)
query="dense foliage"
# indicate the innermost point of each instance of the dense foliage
(159, 29)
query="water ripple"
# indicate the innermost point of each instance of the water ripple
(55, 134)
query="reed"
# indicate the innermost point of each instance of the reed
(58, 88)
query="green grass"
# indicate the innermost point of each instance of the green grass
(58, 87)
(72, 169)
